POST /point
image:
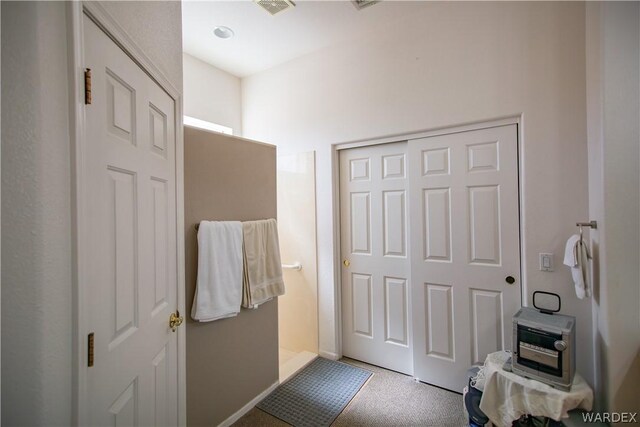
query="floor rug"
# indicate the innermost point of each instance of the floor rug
(316, 395)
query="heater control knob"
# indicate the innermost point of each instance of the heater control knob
(560, 345)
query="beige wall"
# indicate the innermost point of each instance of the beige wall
(613, 100)
(229, 361)
(456, 62)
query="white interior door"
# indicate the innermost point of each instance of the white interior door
(129, 188)
(375, 251)
(465, 243)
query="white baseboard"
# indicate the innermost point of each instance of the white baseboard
(329, 355)
(246, 408)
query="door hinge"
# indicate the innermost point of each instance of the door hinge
(90, 343)
(87, 86)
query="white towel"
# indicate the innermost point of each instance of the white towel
(262, 278)
(576, 256)
(219, 284)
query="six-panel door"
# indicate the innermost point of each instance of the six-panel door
(375, 250)
(465, 242)
(129, 167)
(429, 233)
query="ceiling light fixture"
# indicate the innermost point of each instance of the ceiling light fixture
(223, 32)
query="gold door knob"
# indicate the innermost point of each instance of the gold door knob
(346, 263)
(175, 320)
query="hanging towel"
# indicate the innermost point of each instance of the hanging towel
(576, 256)
(219, 284)
(262, 278)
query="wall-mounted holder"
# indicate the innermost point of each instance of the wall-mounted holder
(590, 224)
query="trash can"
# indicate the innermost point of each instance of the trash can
(472, 397)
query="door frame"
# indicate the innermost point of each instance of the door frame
(75, 36)
(517, 119)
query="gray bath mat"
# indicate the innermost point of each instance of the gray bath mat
(316, 395)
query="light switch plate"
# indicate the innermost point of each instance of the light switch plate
(546, 262)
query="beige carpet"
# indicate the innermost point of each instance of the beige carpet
(387, 399)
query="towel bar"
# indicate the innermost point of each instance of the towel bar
(590, 224)
(297, 266)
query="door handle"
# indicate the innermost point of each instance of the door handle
(175, 320)
(346, 263)
(510, 280)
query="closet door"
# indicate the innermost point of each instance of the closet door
(376, 325)
(465, 250)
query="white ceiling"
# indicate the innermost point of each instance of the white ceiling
(263, 41)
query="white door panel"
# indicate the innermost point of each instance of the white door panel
(430, 231)
(465, 242)
(375, 283)
(130, 193)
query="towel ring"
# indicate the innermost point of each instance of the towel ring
(580, 227)
(590, 224)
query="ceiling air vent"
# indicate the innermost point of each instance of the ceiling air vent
(275, 6)
(361, 4)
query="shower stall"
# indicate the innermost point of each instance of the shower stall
(298, 308)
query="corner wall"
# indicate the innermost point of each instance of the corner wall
(36, 203)
(36, 220)
(229, 361)
(454, 63)
(613, 95)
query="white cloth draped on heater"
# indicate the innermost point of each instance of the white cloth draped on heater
(576, 257)
(219, 283)
(262, 279)
(507, 396)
